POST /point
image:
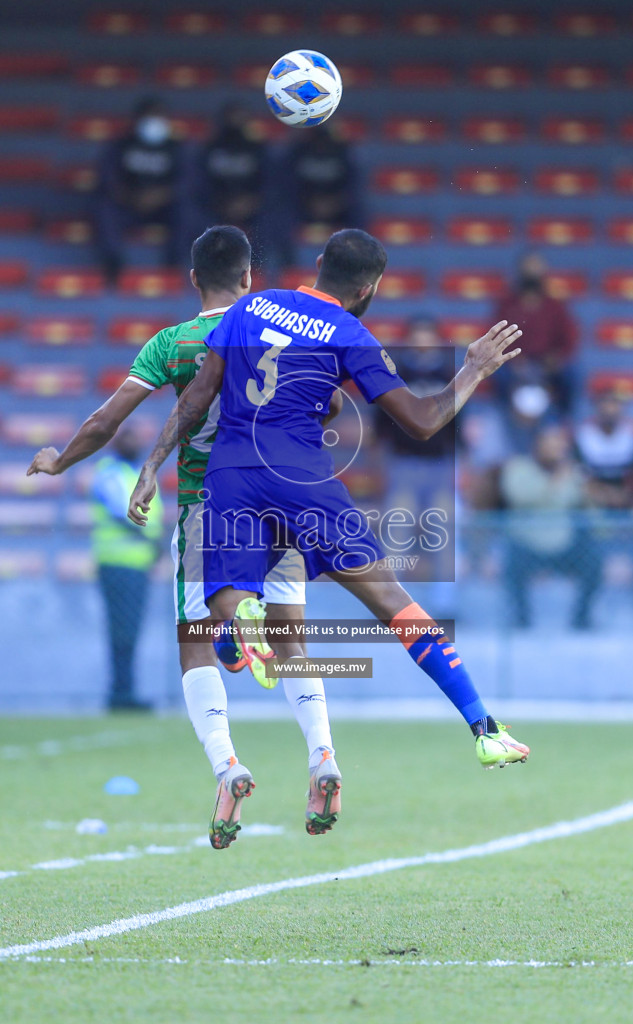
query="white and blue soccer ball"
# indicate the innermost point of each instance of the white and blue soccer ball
(303, 88)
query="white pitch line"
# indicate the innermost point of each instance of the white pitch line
(274, 961)
(76, 744)
(559, 830)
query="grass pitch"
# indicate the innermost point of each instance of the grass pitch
(407, 947)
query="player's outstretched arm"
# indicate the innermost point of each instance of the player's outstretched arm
(423, 417)
(189, 410)
(97, 430)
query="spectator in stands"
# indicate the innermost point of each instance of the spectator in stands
(542, 491)
(140, 182)
(124, 555)
(232, 175)
(318, 185)
(605, 447)
(549, 336)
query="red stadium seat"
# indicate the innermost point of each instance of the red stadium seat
(559, 230)
(13, 274)
(97, 128)
(401, 231)
(619, 284)
(401, 284)
(499, 76)
(617, 382)
(78, 178)
(581, 24)
(429, 24)
(272, 23)
(117, 23)
(573, 130)
(506, 23)
(133, 331)
(263, 128)
(28, 514)
(6, 372)
(33, 65)
(71, 283)
(70, 229)
(623, 180)
(195, 23)
(111, 378)
(421, 76)
(473, 285)
(60, 331)
(615, 333)
(494, 129)
(195, 128)
(28, 119)
(75, 566)
(389, 332)
(17, 222)
(36, 429)
(578, 76)
(405, 181)
(252, 74)
(480, 230)
(15, 564)
(567, 284)
(314, 234)
(48, 380)
(351, 23)
(621, 230)
(25, 169)
(462, 331)
(626, 130)
(107, 76)
(355, 75)
(295, 277)
(566, 181)
(186, 76)
(351, 129)
(151, 284)
(9, 322)
(487, 181)
(414, 129)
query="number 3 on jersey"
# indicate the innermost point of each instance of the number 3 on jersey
(268, 364)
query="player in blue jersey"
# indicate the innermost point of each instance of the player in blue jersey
(278, 357)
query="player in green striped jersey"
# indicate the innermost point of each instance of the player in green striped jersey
(221, 274)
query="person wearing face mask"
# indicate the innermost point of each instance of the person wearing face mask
(549, 335)
(138, 183)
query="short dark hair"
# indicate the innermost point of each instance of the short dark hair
(352, 258)
(220, 256)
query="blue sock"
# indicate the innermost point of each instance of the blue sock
(225, 647)
(441, 662)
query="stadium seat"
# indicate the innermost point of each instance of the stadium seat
(15, 564)
(401, 284)
(494, 129)
(48, 381)
(70, 229)
(506, 23)
(60, 331)
(272, 23)
(75, 566)
(626, 130)
(499, 76)
(414, 129)
(623, 180)
(185, 76)
(133, 331)
(405, 181)
(401, 231)
(168, 481)
(615, 333)
(295, 277)
(71, 282)
(422, 76)
(584, 24)
(350, 129)
(192, 128)
(13, 273)
(78, 515)
(621, 230)
(463, 330)
(194, 23)
(487, 181)
(111, 378)
(566, 181)
(108, 76)
(480, 230)
(263, 128)
(314, 234)
(356, 75)
(251, 74)
(37, 429)
(388, 331)
(577, 76)
(559, 230)
(472, 285)
(25, 169)
(117, 23)
(6, 373)
(96, 127)
(567, 284)
(14, 481)
(28, 119)
(351, 23)
(33, 65)
(17, 222)
(619, 284)
(9, 322)
(617, 382)
(78, 178)
(429, 24)
(573, 130)
(27, 514)
(151, 284)
(364, 482)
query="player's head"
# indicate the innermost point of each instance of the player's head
(221, 261)
(350, 268)
(151, 123)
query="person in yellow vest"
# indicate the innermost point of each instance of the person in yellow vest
(124, 555)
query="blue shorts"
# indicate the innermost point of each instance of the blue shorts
(253, 514)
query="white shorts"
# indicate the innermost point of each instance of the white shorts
(285, 584)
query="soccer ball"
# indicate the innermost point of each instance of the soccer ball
(303, 88)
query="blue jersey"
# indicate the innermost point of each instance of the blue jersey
(285, 354)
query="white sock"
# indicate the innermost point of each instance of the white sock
(205, 698)
(307, 700)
